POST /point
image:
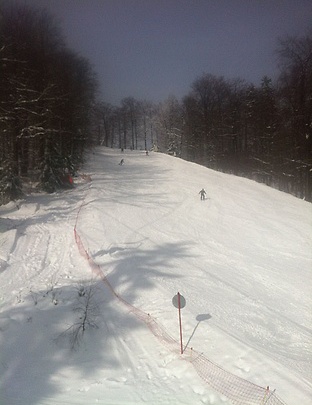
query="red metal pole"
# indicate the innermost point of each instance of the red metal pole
(179, 306)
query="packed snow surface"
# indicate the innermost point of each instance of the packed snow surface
(242, 259)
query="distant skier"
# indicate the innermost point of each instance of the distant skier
(121, 162)
(202, 194)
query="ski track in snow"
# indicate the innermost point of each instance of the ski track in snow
(143, 237)
(40, 253)
(262, 337)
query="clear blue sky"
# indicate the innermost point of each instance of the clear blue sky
(150, 49)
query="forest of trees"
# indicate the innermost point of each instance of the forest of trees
(261, 132)
(46, 101)
(49, 114)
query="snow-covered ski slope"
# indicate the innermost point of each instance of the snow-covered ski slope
(242, 259)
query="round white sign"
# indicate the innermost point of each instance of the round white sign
(175, 301)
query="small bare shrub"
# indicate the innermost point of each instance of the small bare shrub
(86, 308)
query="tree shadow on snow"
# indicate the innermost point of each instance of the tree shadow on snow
(136, 270)
(37, 355)
(39, 209)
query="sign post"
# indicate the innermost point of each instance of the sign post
(179, 302)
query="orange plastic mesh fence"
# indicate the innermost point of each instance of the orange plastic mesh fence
(238, 390)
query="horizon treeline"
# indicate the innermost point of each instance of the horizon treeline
(50, 114)
(260, 132)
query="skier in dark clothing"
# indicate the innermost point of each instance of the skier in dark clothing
(121, 162)
(202, 194)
